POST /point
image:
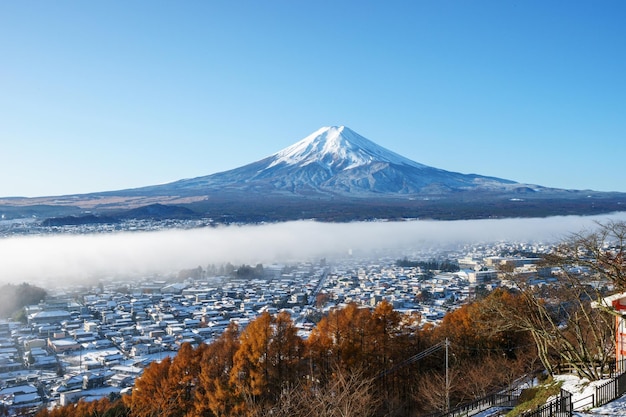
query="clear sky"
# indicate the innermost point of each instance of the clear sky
(98, 96)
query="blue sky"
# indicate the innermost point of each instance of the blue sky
(98, 96)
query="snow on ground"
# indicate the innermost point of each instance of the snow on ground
(614, 408)
(582, 397)
(492, 412)
(582, 390)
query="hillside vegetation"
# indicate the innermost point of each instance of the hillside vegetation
(267, 368)
(14, 297)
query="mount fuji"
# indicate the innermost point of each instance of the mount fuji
(333, 174)
(336, 161)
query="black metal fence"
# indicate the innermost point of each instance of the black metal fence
(584, 403)
(564, 406)
(610, 390)
(506, 399)
(605, 393)
(560, 406)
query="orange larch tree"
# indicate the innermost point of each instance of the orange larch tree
(215, 395)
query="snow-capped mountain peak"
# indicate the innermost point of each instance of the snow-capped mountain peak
(338, 161)
(337, 148)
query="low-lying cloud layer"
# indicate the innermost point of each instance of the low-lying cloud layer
(52, 260)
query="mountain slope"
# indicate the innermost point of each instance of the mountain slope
(339, 161)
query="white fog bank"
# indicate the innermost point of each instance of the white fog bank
(48, 260)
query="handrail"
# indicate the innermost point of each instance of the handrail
(587, 403)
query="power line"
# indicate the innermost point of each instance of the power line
(415, 358)
(443, 344)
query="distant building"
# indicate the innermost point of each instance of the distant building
(49, 317)
(479, 277)
(90, 326)
(468, 263)
(63, 345)
(23, 397)
(513, 262)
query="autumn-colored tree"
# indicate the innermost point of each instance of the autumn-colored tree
(168, 388)
(286, 353)
(370, 341)
(103, 407)
(152, 395)
(488, 356)
(269, 358)
(183, 377)
(251, 366)
(116, 409)
(215, 395)
(99, 408)
(357, 361)
(321, 299)
(320, 347)
(471, 332)
(340, 339)
(384, 330)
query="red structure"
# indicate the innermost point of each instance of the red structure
(618, 302)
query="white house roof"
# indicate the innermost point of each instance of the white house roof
(610, 300)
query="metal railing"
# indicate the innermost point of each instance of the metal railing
(560, 406)
(505, 399)
(584, 403)
(564, 406)
(508, 400)
(610, 390)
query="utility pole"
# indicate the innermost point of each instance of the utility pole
(447, 379)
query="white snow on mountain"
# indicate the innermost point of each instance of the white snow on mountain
(337, 148)
(338, 161)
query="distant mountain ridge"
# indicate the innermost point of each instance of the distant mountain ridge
(332, 174)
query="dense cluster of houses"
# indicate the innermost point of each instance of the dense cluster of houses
(90, 343)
